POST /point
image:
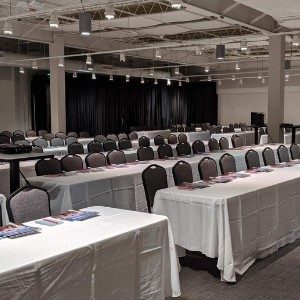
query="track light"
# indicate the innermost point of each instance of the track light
(7, 28)
(220, 52)
(127, 78)
(241, 81)
(176, 71)
(158, 53)
(179, 83)
(122, 56)
(263, 80)
(109, 11)
(151, 73)
(74, 74)
(111, 78)
(90, 67)
(22, 71)
(233, 77)
(219, 82)
(206, 69)
(94, 76)
(168, 82)
(295, 40)
(61, 62)
(85, 23)
(53, 22)
(259, 76)
(88, 60)
(142, 80)
(177, 4)
(187, 80)
(155, 81)
(237, 66)
(34, 65)
(209, 78)
(244, 45)
(198, 50)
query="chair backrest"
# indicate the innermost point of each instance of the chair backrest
(61, 135)
(236, 125)
(42, 132)
(95, 160)
(219, 129)
(100, 138)
(122, 136)
(125, 144)
(30, 133)
(47, 166)
(17, 137)
(57, 142)
(231, 128)
(252, 159)
(261, 131)
(145, 153)
(172, 139)
(132, 128)
(182, 172)
(7, 133)
(73, 134)
(70, 140)
(182, 138)
(144, 141)
(22, 142)
(75, 148)
(198, 147)
(116, 157)
(37, 149)
(84, 135)
(224, 144)
(95, 147)
(164, 151)
(18, 132)
(159, 140)
(180, 129)
(225, 129)
(112, 137)
(4, 139)
(133, 136)
(109, 145)
(237, 141)
(213, 145)
(40, 142)
(283, 154)
(268, 156)
(183, 149)
(295, 151)
(207, 168)
(71, 163)
(227, 163)
(48, 136)
(154, 178)
(27, 204)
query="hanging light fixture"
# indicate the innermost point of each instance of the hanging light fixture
(53, 22)
(209, 78)
(109, 11)
(241, 81)
(179, 83)
(151, 73)
(206, 69)
(122, 57)
(88, 60)
(233, 77)
(90, 67)
(177, 4)
(22, 71)
(155, 81)
(74, 74)
(296, 40)
(34, 65)
(220, 52)
(61, 62)
(187, 79)
(198, 50)
(127, 78)
(263, 80)
(158, 53)
(7, 28)
(237, 66)
(142, 80)
(168, 82)
(177, 71)
(111, 78)
(219, 82)
(244, 45)
(259, 76)
(85, 23)
(287, 76)
(94, 76)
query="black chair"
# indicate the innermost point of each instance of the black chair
(61, 135)
(57, 142)
(144, 141)
(236, 125)
(47, 166)
(94, 147)
(219, 129)
(4, 139)
(225, 129)
(252, 159)
(71, 163)
(207, 168)
(164, 151)
(22, 142)
(7, 133)
(183, 149)
(133, 136)
(37, 149)
(268, 157)
(40, 142)
(154, 178)
(48, 136)
(198, 147)
(224, 144)
(70, 140)
(213, 145)
(100, 138)
(237, 141)
(84, 135)
(42, 132)
(18, 132)
(116, 157)
(227, 164)
(231, 128)
(125, 144)
(73, 134)
(122, 136)
(159, 140)
(283, 154)
(30, 133)
(109, 145)
(295, 151)
(75, 148)
(145, 153)
(182, 138)
(112, 137)
(17, 137)
(95, 160)
(172, 139)
(182, 172)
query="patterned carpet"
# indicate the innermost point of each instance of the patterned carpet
(274, 277)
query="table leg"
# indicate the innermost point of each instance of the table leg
(14, 176)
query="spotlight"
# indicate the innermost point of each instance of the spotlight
(127, 78)
(158, 53)
(74, 74)
(241, 81)
(7, 28)
(111, 78)
(176, 4)
(34, 65)
(53, 22)
(61, 62)
(198, 50)
(142, 80)
(263, 80)
(209, 78)
(168, 82)
(22, 71)
(219, 82)
(187, 80)
(295, 40)
(206, 69)
(177, 71)
(90, 67)
(109, 11)
(179, 83)
(259, 76)
(155, 81)
(233, 77)
(85, 23)
(94, 76)
(88, 60)
(243, 45)
(287, 76)
(151, 73)
(220, 52)
(122, 56)
(237, 66)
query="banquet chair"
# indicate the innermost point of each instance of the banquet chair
(231, 128)
(207, 168)
(261, 131)
(145, 153)
(75, 148)
(243, 128)
(109, 145)
(70, 140)
(144, 141)
(226, 130)
(224, 144)
(172, 139)
(112, 137)
(40, 142)
(61, 135)
(95, 160)
(94, 147)
(116, 157)
(42, 132)
(213, 145)
(159, 140)
(208, 126)
(180, 129)
(47, 166)
(6, 133)
(183, 149)
(268, 156)
(227, 164)
(164, 151)
(182, 138)
(198, 147)
(219, 129)
(48, 136)
(71, 163)
(283, 154)
(182, 172)
(27, 204)
(22, 142)
(17, 137)
(4, 139)
(57, 142)
(122, 136)
(37, 149)
(203, 127)
(154, 178)
(252, 159)
(236, 125)
(124, 144)
(84, 134)
(237, 141)
(100, 138)
(132, 128)
(73, 134)
(30, 133)
(295, 151)
(18, 132)
(133, 136)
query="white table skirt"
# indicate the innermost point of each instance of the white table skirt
(288, 138)
(248, 137)
(151, 134)
(193, 136)
(237, 222)
(119, 255)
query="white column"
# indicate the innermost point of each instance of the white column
(276, 87)
(57, 87)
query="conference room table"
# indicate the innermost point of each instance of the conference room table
(248, 137)
(194, 135)
(117, 255)
(238, 221)
(151, 134)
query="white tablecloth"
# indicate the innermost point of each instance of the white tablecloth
(119, 255)
(237, 222)
(193, 136)
(248, 137)
(151, 134)
(288, 138)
